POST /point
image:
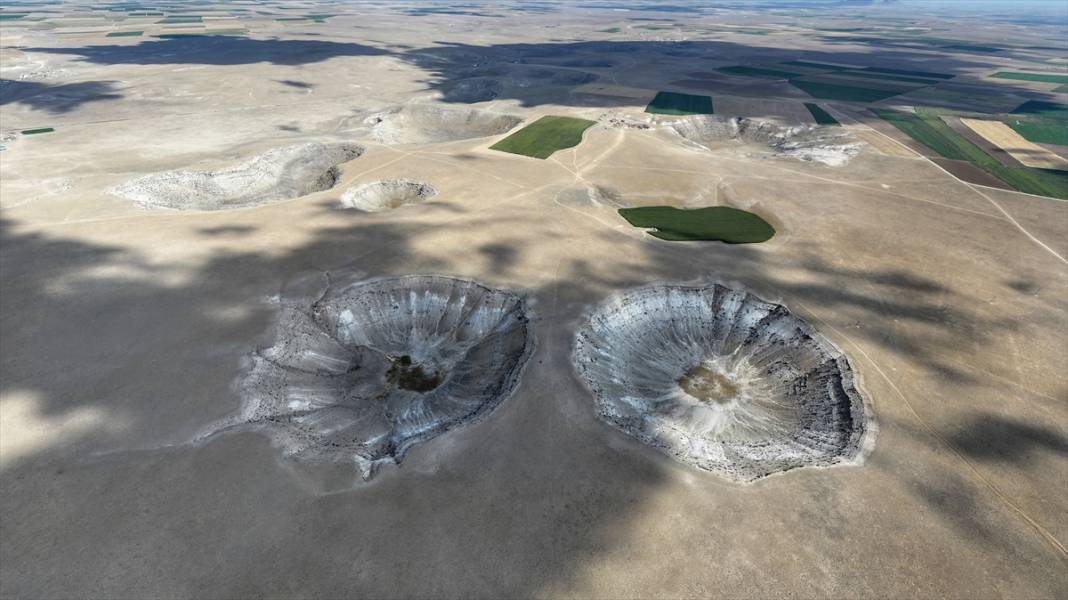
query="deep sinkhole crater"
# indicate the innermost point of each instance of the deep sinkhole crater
(375, 367)
(722, 380)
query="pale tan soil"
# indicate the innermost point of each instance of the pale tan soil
(884, 144)
(1004, 137)
(123, 331)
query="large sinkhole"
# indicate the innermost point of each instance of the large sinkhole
(722, 380)
(278, 174)
(832, 146)
(375, 367)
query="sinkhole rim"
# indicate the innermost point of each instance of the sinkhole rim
(861, 436)
(391, 360)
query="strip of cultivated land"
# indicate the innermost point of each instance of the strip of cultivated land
(838, 82)
(927, 128)
(545, 136)
(1002, 136)
(1039, 77)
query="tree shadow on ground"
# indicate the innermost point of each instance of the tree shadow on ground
(58, 98)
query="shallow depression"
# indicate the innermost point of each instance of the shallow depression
(386, 195)
(279, 174)
(721, 379)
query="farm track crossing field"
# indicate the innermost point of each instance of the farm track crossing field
(1039, 77)
(927, 128)
(716, 223)
(545, 136)
(674, 103)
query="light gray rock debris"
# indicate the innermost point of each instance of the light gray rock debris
(279, 174)
(722, 380)
(384, 195)
(831, 146)
(375, 367)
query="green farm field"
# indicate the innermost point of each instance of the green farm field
(1039, 77)
(716, 223)
(673, 103)
(822, 116)
(545, 136)
(1041, 131)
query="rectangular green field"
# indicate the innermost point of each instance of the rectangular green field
(906, 72)
(1040, 77)
(758, 72)
(844, 78)
(673, 103)
(1041, 131)
(545, 136)
(822, 117)
(888, 77)
(814, 65)
(928, 129)
(36, 131)
(178, 19)
(833, 91)
(124, 34)
(1038, 108)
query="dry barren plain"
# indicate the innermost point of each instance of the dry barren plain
(197, 191)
